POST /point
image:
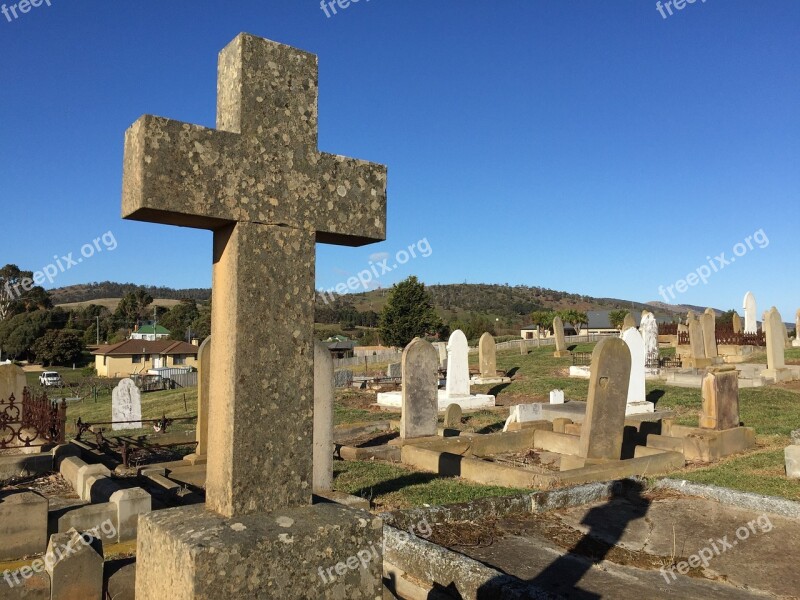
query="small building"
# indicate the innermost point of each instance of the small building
(340, 346)
(531, 332)
(150, 331)
(133, 357)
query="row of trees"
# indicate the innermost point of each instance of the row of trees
(543, 319)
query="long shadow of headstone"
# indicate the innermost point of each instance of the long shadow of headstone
(607, 524)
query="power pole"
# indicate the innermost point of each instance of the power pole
(98, 330)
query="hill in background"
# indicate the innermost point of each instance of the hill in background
(511, 303)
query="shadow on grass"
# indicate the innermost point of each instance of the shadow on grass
(493, 428)
(394, 485)
(655, 396)
(511, 372)
(495, 391)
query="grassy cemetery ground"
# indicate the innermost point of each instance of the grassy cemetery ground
(773, 411)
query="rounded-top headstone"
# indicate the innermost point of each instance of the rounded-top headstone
(487, 350)
(420, 395)
(750, 313)
(452, 416)
(457, 365)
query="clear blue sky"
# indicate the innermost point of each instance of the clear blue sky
(593, 147)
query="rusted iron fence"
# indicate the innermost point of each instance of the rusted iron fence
(127, 446)
(667, 329)
(34, 421)
(581, 359)
(727, 337)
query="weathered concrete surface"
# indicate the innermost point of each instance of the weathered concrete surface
(23, 524)
(704, 444)
(323, 417)
(200, 454)
(201, 555)
(25, 465)
(612, 547)
(77, 571)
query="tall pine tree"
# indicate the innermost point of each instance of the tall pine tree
(408, 313)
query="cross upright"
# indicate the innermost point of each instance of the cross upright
(259, 182)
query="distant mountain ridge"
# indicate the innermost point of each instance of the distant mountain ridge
(87, 292)
(462, 297)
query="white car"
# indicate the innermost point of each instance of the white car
(50, 378)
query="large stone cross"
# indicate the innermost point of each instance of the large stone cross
(260, 184)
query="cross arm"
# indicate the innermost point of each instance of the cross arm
(178, 174)
(351, 209)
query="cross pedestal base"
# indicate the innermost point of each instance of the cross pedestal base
(319, 551)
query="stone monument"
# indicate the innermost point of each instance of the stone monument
(720, 393)
(420, 390)
(737, 323)
(796, 342)
(126, 406)
(458, 381)
(200, 455)
(261, 185)
(776, 358)
(697, 345)
(487, 361)
(750, 313)
(12, 382)
(457, 385)
(561, 343)
(628, 322)
(604, 423)
(709, 322)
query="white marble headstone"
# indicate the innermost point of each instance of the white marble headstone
(636, 387)
(750, 313)
(457, 365)
(557, 397)
(524, 413)
(126, 405)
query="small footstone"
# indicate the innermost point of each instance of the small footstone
(452, 416)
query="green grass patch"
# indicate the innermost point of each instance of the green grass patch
(392, 486)
(761, 472)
